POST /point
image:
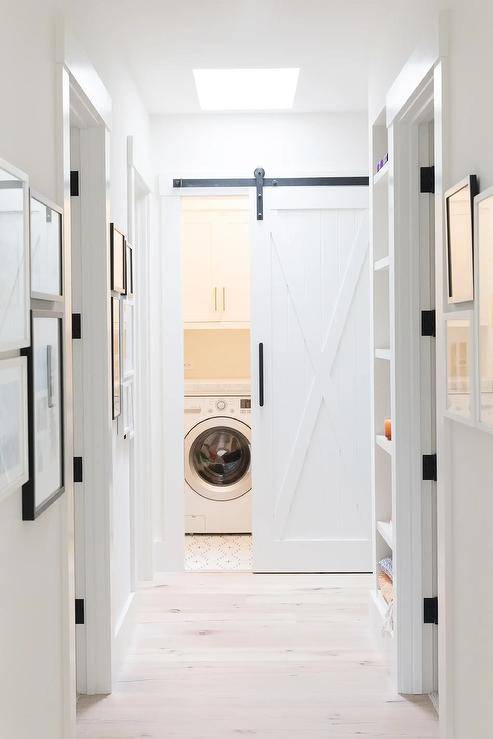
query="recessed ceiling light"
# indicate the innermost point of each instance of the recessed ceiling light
(246, 89)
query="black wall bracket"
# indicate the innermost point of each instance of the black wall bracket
(78, 471)
(76, 326)
(79, 611)
(74, 183)
(427, 179)
(430, 610)
(430, 467)
(428, 323)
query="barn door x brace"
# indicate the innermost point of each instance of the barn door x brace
(259, 181)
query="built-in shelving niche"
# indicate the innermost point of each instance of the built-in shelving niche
(381, 261)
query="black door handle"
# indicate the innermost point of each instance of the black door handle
(260, 374)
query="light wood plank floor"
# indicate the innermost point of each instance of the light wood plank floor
(272, 656)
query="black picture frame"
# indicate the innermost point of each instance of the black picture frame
(117, 253)
(31, 508)
(129, 269)
(50, 209)
(116, 366)
(470, 185)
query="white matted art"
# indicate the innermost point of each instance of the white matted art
(14, 450)
(484, 271)
(128, 339)
(46, 249)
(14, 248)
(46, 481)
(460, 366)
(128, 409)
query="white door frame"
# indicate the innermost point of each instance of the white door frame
(405, 88)
(139, 234)
(413, 392)
(169, 504)
(76, 78)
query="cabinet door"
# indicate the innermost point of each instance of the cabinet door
(201, 295)
(231, 258)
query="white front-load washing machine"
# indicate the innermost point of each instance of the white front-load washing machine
(217, 458)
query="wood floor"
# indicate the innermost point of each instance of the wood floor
(271, 656)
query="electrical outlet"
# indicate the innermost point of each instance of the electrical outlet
(187, 365)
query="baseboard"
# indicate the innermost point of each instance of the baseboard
(122, 636)
(435, 701)
(169, 556)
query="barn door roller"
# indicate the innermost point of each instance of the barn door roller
(260, 181)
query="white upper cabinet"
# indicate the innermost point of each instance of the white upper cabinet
(216, 262)
(199, 293)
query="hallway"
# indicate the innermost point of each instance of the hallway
(273, 656)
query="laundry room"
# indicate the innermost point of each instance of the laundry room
(215, 246)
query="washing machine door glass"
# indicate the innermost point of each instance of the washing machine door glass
(219, 459)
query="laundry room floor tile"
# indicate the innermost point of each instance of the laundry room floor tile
(231, 552)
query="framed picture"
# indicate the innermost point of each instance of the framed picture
(117, 249)
(128, 409)
(14, 248)
(14, 459)
(129, 269)
(45, 381)
(484, 326)
(460, 365)
(459, 202)
(115, 357)
(128, 339)
(46, 249)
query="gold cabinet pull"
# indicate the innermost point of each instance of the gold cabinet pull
(224, 298)
(215, 299)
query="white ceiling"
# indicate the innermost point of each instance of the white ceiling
(162, 41)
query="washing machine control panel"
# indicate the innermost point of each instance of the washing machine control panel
(228, 406)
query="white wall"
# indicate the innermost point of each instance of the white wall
(31, 556)
(468, 118)
(215, 145)
(402, 26)
(32, 690)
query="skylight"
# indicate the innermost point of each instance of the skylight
(246, 89)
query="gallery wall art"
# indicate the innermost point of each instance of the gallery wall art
(117, 254)
(115, 357)
(14, 461)
(46, 250)
(14, 248)
(46, 413)
(459, 204)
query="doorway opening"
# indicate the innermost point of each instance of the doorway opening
(216, 252)
(95, 634)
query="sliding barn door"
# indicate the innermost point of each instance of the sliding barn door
(311, 435)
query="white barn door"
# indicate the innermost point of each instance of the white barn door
(311, 438)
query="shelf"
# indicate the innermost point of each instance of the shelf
(384, 528)
(381, 174)
(384, 443)
(380, 603)
(382, 264)
(383, 354)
